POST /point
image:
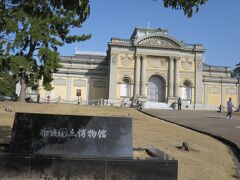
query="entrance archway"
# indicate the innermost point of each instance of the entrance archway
(156, 89)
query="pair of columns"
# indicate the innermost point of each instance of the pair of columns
(173, 78)
(140, 76)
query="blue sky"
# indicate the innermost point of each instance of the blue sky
(216, 26)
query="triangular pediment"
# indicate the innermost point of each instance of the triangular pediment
(158, 41)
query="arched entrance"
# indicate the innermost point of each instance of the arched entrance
(156, 89)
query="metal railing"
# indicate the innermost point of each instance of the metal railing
(123, 102)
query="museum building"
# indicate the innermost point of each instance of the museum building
(151, 66)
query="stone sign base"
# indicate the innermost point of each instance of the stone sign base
(47, 146)
(25, 167)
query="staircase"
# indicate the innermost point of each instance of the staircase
(156, 105)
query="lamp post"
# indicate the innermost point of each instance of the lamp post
(238, 92)
(221, 106)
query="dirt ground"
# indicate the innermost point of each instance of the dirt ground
(209, 158)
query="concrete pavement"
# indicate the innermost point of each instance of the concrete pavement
(208, 122)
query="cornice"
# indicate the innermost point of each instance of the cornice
(220, 80)
(159, 47)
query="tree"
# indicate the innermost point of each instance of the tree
(7, 81)
(30, 33)
(188, 6)
(8, 84)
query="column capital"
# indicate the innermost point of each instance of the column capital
(141, 56)
(174, 58)
(138, 56)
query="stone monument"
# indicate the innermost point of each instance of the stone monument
(48, 146)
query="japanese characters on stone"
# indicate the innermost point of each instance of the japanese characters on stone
(80, 133)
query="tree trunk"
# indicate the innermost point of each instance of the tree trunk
(23, 89)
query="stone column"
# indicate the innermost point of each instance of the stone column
(112, 88)
(198, 81)
(176, 78)
(137, 76)
(170, 75)
(205, 94)
(143, 77)
(69, 88)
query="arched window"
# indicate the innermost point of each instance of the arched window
(125, 88)
(187, 91)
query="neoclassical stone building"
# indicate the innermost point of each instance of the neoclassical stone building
(151, 66)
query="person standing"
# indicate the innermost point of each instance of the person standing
(229, 108)
(179, 103)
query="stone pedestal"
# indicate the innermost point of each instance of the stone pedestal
(79, 147)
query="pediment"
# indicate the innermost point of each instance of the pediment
(159, 41)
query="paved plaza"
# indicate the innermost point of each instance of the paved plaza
(209, 122)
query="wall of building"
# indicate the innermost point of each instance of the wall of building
(85, 72)
(156, 65)
(125, 69)
(218, 86)
(187, 73)
(216, 94)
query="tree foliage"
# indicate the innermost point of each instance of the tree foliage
(188, 6)
(7, 87)
(32, 30)
(7, 81)
(236, 71)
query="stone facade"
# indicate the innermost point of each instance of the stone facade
(156, 54)
(218, 86)
(151, 66)
(86, 72)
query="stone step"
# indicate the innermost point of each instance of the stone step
(156, 105)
